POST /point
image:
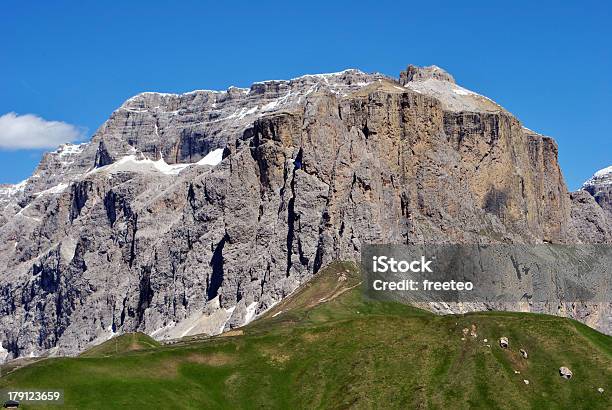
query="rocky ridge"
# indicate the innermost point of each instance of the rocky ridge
(592, 208)
(600, 187)
(194, 213)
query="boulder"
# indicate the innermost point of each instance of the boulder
(503, 342)
(523, 353)
(565, 372)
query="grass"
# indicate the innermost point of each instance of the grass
(121, 344)
(327, 347)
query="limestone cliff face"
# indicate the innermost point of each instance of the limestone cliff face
(194, 213)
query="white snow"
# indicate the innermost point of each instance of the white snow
(277, 313)
(270, 106)
(110, 332)
(212, 158)
(529, 130)
(155, 332)
(243, 112)
(603, 172)
(20, 213)
(241, 89)
(454, 97)
(461, 91)
(203, 91)
(132, 163)
(250, 312)
(70, 149)
(135, 164)
(189, 329)
(326, 76)
(13, 189)
(57, 189)
(3, 353)
(601, 177)
(229, 316)
(168, 169)
(250, 111)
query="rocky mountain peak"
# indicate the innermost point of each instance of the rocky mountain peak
(436, 82)
(600, 178)
(433, 72)
(600, 187)
(194, 213)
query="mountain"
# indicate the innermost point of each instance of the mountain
(592, 208)
(325, 346)
(195, 213)
(600, 187)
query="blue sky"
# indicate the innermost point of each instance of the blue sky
(549, 63)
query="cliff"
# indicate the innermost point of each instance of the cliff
(194, 213)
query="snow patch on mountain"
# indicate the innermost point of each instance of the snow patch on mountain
(11, 190)
(601, 177)
(212, 158)
(57, 189)
(131, 163)
(250, 312)
(453, 97)
(603, 172)
(65, 150)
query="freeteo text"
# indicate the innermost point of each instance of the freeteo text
(384, 264)
(410, 284)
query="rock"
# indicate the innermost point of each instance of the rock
(526, 381)
(465, 331)
(591, 222)
(473, 331)
(600, 187)
(565, 372)
(503, 342)
(600, 390)
(517, 372)
(202, 210)
(414, 73)
(485, 340)
(523, 353)
(592, 208)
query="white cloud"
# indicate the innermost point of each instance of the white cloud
(31, 131)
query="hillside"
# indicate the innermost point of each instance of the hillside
(326, 347)
(121, 344)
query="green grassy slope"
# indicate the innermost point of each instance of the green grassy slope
(121, 344)
(326, 347)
